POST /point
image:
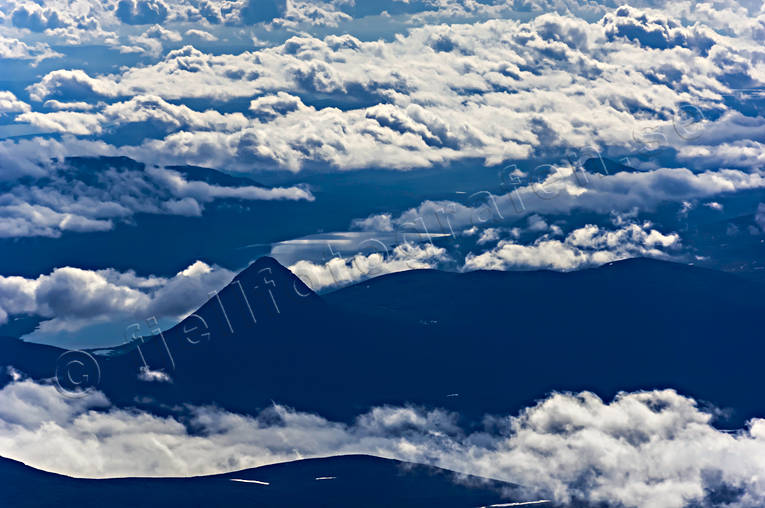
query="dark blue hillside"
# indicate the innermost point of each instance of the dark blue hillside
(349, 481)
(503, 339)
(476, 343)
(213, 176)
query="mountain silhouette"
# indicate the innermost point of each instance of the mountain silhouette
(351, 480)
(475, 343)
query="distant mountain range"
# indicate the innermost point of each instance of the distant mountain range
(351, 480)
(475, 343)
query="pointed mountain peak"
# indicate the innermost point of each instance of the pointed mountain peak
(265, 266)
(266, 262)
(268, 274)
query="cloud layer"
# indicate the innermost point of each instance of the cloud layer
(655, 448)
(495, 90)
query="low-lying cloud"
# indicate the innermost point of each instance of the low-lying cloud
(61, 201)
(342, 271)
(71, 298)
(583, 247)
(656, 448)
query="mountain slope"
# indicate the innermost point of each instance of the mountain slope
(475, 343)
(346, 481)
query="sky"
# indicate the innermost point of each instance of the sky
(151, 149)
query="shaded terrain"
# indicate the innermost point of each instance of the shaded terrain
(351, 480)
(475, 343)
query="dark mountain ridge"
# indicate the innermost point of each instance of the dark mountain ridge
(498, 340)
(350, 480)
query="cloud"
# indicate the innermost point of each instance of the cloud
(274, 106)
(200, 34)
(146, 109)
(60, 202)
(23, 219)
(714, 205)
(204, 192)
(741, 154)
(141, 12)
(70, 122)
(35, 18)
(157, 112)
(322, 14)
(379, 222)
(567, 189)
(488, 235)
(759, 216)
(71, 298)
(15, 49)
(493, 90)
(343, 271)
(68, 106)
(63, 22)
(153, 376)
(33, 156)
(71, 84)
(654, 448)
(10, 104)
(655, 30)
(583, 247)
(537, 223)
(153, 39)
(158, 32)
(256, 11)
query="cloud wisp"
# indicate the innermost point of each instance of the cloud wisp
(65, 201)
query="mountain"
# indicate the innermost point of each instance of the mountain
(475, 343)
(602, 165)
(351, 480)
(213, 176)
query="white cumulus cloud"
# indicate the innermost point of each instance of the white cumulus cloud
(70, 298)
(583, 247)
(654, 448)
